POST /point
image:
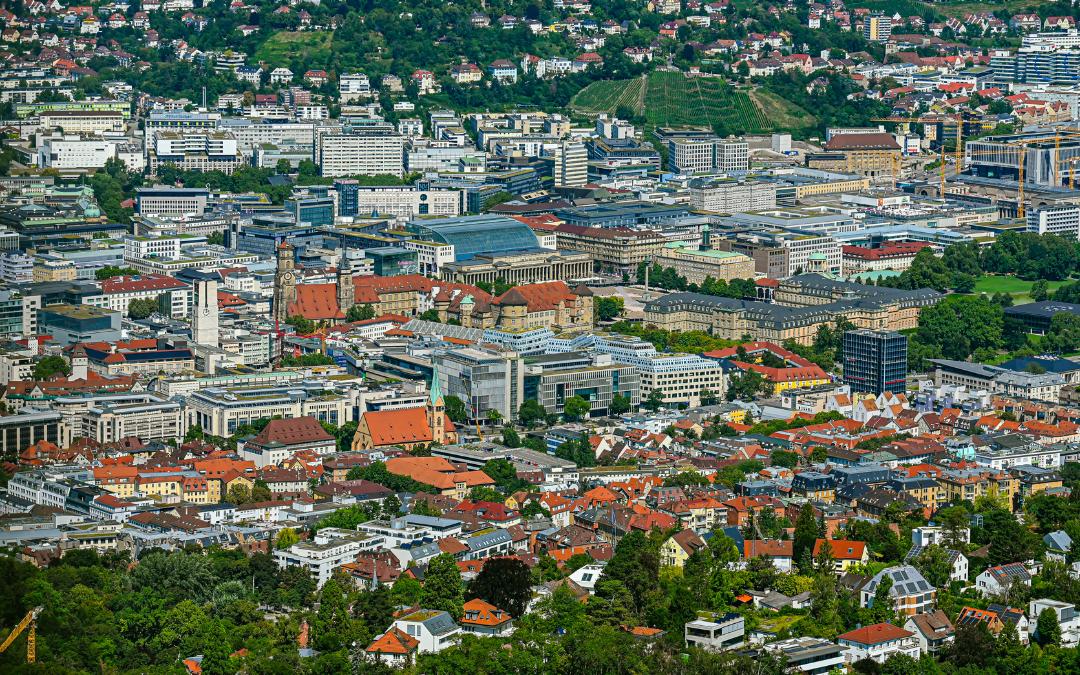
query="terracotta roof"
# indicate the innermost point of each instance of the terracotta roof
(144, 282)
(752, 548)
(480, 613)
(875, 634)
(394, 427)
(842, 549)
(870, 141)
(394, 641)
(292, 431)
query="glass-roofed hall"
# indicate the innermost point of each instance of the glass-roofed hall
(477, 235)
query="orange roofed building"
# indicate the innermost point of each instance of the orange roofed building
(407, 428)
(439, 474)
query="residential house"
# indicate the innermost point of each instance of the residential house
(844, 552)
(780, 553)
(716, 632)
(679, 547)
(878, 642)
(1000, 579)
(911, 592)
(932, 630)
(433, 629)
(1067, 618)
(483, 618)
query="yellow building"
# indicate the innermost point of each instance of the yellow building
(680, 546)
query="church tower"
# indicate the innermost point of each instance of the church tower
(436, 409)
(346, 290)
(284, 282)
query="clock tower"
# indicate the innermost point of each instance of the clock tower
(284, 282)
(204, 317)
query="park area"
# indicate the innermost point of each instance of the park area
(1016, 287)
(666, 98)
(284, 47)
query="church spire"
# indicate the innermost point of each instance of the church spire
(436, 388)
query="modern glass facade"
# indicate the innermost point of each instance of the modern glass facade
(875, 361)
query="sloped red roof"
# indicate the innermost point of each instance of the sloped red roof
(292, 432)
(875, 634)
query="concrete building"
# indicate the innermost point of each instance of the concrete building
(728, 195)
(1062, 220)
(697, 265)
(360, 151)
(204, 317)
(553, 378)
(707, 153)
(71, 324)
(195, 151)
(330, 549)
(399, 203)
(571, 164)
(485, 378)
(75, 153)
(716, 633)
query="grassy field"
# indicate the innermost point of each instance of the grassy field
(957, 9)
(672, 99)
(281, 48)
(1018, 288)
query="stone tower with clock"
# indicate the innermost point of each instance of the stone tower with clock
(204, 317)
(284, 282)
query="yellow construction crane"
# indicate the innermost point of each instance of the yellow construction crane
(958, 120)
(28, 621)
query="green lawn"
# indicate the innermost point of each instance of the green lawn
(667, 98)
(310, 46)
(1018, 288)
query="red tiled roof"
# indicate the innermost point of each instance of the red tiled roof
(394, 641)
(144, 282)
(875, 634)
(842, 549)
(870, 141)
(293, 431)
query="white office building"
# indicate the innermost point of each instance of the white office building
(571, 164)
(366, 152)
(1061, 220)
(67, 153)
(330, 549)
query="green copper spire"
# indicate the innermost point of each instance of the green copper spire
(436, 388)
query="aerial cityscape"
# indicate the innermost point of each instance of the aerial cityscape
(540, 336)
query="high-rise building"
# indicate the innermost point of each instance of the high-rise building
(347, 190)
(204, 316)
(877, 27)
(875, 361)
(361, 151)
(571, 165)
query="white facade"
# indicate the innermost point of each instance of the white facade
(571, 165)
(75, 152)
(406, 203)
(361, 154)
(430, 255)
(1068, 619)
(151, 247)
(328, 550)
(1061, 220)
(434, 630)
(731, 196)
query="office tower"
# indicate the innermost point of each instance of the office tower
(875, 361)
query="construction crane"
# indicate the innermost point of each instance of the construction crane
(958, 120)
(28, 621)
